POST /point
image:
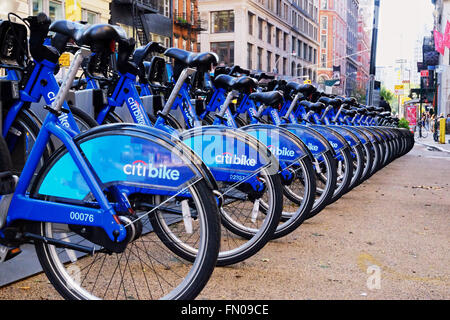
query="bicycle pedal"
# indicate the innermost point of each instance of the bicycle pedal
(7, 253)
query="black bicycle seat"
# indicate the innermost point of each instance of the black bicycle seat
(271, 98)
(89, 35)
(141, 53)
(312, 106)
(305, 89)
(224, 81)
(350, 101)
(330, 102)
(350, 113)
(361, 110)
(202, 60)
(245, 84)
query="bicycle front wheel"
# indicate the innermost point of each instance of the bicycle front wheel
(147, 268)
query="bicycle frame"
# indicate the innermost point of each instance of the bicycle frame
(24, 206)
(41, 83)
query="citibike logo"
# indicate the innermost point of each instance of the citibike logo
(281, 152)
(334, 144)
(228, 158)
(312, 147)
(142, 169)
(64, 116)
(136, 110)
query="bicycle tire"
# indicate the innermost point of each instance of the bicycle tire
(63, 274)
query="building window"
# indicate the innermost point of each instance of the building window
(305, 51)
(260, 51)
(89, 16)
(38, 6)
(285, 40)
(249, 56)
(324, 5)
(299, 48)
(225, 51)
(277, 37)
(323, 60)
(324, 23)
(315, 56)
(167, 8)
(323, 41)
(277, 63)
(293, 68)
(284, 66)
(54, 9)
(299, 69)
(293, 44)
(310, 55)
(260, 28)
(250, 23)
(269, 61)
(222, 21)
(269, 33)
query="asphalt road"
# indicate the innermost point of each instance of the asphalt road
(387, 239)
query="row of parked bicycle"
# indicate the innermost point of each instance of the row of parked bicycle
(146, 210)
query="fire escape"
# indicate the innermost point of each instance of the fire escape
(139, 8)
(190, 23)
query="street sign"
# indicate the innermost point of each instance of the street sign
(399, 88)
(424, 73)
(64, 59)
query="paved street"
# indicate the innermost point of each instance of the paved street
(394, 226)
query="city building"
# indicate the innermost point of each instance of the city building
(92, 11)
(333, 44)
(442, 71)
(145, 20)
(351, 69)
(363, 56)
(276, 36)
(186, 25)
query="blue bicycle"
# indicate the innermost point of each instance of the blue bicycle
(90, 208)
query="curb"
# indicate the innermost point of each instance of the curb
(434, 147)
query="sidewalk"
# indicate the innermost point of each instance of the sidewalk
(429, 142)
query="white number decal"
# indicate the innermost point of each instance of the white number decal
(80, 216)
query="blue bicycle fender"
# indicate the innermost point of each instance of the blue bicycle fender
(315, 141)
(131, 159)
(281, 142)
(336, 140)
(361, 134)
(350, 136)
(231, 154)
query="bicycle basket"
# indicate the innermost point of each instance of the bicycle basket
(13, 43)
